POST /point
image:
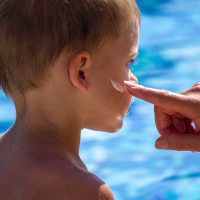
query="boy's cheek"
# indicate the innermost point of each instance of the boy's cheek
(117, 86)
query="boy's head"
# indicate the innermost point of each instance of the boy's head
(34, 33)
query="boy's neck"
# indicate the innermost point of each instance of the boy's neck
(42, 120)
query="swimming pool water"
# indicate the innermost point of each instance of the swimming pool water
(127, 160)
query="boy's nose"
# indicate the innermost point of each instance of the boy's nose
(133, 78)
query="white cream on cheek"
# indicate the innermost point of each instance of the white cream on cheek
(117, 86)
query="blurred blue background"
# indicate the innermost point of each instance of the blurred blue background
(169, 58)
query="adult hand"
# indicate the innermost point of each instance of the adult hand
(174, 114)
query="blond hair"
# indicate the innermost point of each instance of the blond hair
(33, 33)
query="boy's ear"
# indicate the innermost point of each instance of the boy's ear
(78, 70)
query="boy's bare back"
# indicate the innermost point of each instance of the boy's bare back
(57, 59)
(28, 173)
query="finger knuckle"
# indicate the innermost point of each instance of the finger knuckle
(196, 86)
(164, 93)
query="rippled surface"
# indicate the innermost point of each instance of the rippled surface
(127, 160)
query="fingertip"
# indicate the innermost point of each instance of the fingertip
(161, 144)
(130, 84)
(179, 142)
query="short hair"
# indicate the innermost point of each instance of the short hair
(33, 33)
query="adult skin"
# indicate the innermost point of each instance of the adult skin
(174, 115)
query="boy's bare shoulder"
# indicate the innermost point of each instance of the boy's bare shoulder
(35, 172)
(69, 183)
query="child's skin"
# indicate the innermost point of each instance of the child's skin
(39, 155)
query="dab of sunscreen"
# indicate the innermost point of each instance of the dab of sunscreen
(117, 86)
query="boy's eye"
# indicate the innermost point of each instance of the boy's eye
(132, 62)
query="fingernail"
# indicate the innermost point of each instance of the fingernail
(162, 144)
(129, 83)
(132, 84)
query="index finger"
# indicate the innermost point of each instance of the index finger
(169, 100)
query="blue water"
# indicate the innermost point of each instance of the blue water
(127, 160)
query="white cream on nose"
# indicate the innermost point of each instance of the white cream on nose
(117, 86)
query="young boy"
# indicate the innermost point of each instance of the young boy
(57, 59)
